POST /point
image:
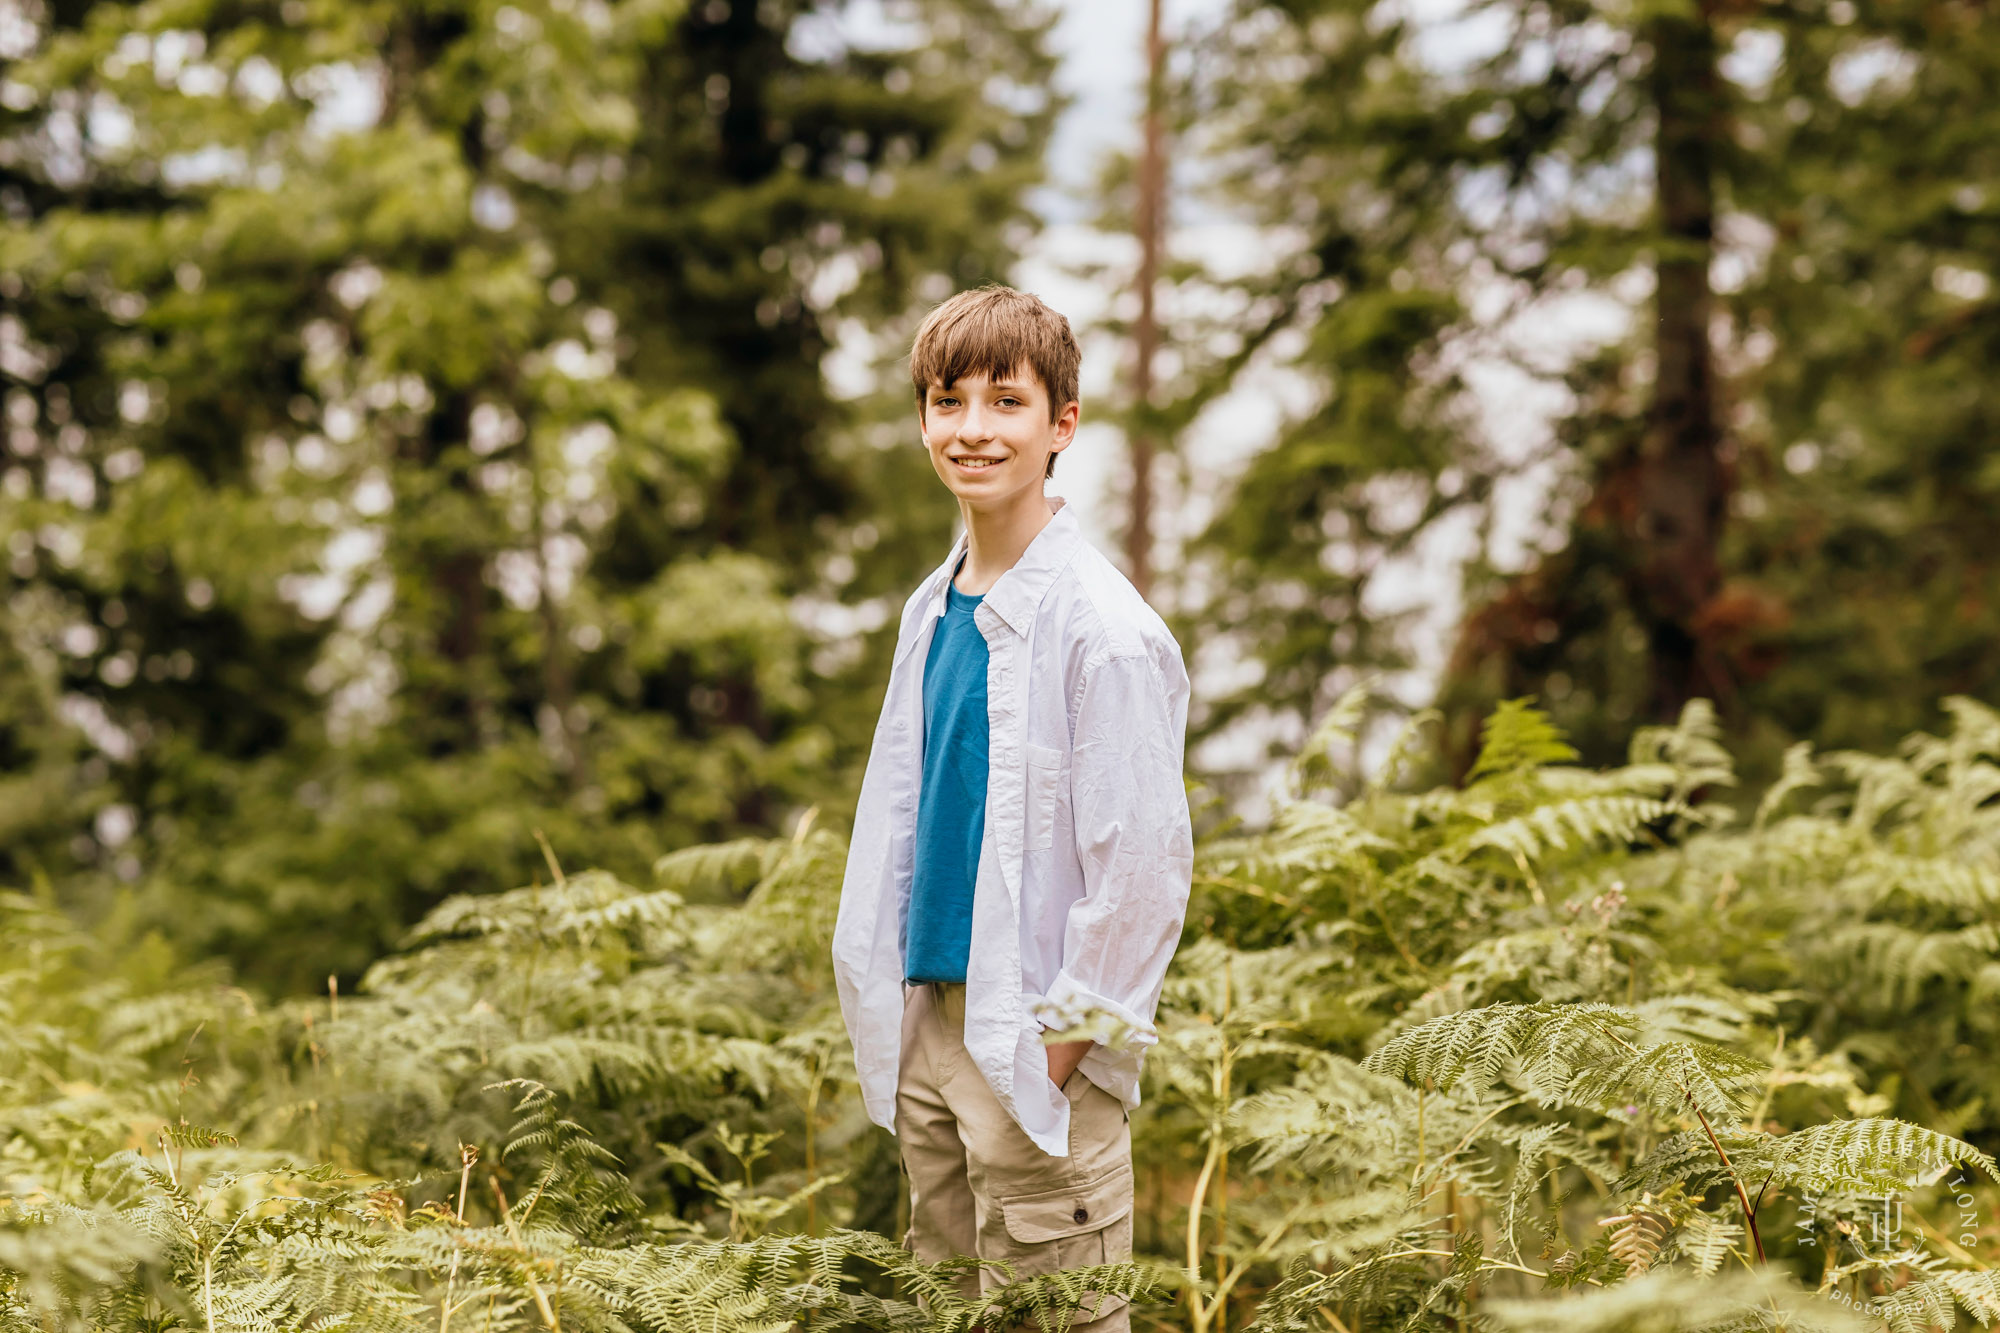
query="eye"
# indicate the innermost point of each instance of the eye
(1010, 400)
(944, 401)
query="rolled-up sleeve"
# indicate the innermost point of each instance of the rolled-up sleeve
(1134, 840)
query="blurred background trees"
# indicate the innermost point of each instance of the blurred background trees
(1733, 252)
(431, 424)
(418, 437)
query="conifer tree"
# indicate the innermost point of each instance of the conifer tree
(419, 435)
(1860, 328)
(1765, 472)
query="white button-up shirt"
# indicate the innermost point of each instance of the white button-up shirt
(1088, 851)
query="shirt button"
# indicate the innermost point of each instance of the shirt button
(1080, 1215)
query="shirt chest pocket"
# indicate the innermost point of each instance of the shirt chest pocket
(1044, 789)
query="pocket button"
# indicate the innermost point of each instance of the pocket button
(1080, 1215)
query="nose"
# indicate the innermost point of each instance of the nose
(974, 424)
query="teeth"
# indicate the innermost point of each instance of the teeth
(977, 462)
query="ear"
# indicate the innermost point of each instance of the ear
(1065, 427)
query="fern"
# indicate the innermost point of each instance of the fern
(1706, 1242)
(1635, 1238)
(1549, 1045)
(1414, 1046)
(1559, 826)
(1518, 736)
(1673, 1301)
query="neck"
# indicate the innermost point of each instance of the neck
(996, 536)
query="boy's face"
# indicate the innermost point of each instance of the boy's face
(990, 439)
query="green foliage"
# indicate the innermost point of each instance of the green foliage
(417, 435)
(1466, 258)
(1518, 737)
(1661, 1303)
(491, 1105)
(1598, 1077)
(1407, 1072)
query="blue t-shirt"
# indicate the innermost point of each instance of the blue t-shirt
(951, 803)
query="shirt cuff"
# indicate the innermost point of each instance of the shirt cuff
(1067, 1002)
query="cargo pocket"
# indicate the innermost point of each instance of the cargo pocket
(1044, 785)
(1086, 1223)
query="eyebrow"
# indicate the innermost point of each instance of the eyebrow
(999, 386)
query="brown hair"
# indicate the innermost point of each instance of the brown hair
(993, 329)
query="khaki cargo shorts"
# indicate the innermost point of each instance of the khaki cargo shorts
(980, 1186)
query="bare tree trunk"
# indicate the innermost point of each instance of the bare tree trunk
(1682, 482)
(1146, 333)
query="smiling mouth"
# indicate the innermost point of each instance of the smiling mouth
(976, 464)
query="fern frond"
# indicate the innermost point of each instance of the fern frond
(1305, 838)
(1670, 1077)
(1551, 1040)
(1869, 1156)
(1799, 772)
(1688, 1159)
(1943, 881)
(723, 870)
(1720, 1019)
(1893, 962)
(1612, 820)
(1539, 1152)
(1635, 1237)
(1692, 748)
(1312, 767)
(1978, 1292)
(1705, 1241)
(1516, 737)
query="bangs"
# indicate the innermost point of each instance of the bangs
(996, 331)
(974, 345)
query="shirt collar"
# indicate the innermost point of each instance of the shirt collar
(1016, 593)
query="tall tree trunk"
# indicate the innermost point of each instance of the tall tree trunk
(558, 670)
(1146, 333)
(459, 705)
(1679, 504)
(1646, 543)
(461, 710)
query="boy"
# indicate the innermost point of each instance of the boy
(1022, 844)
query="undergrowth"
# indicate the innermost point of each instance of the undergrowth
(1553, 1049)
